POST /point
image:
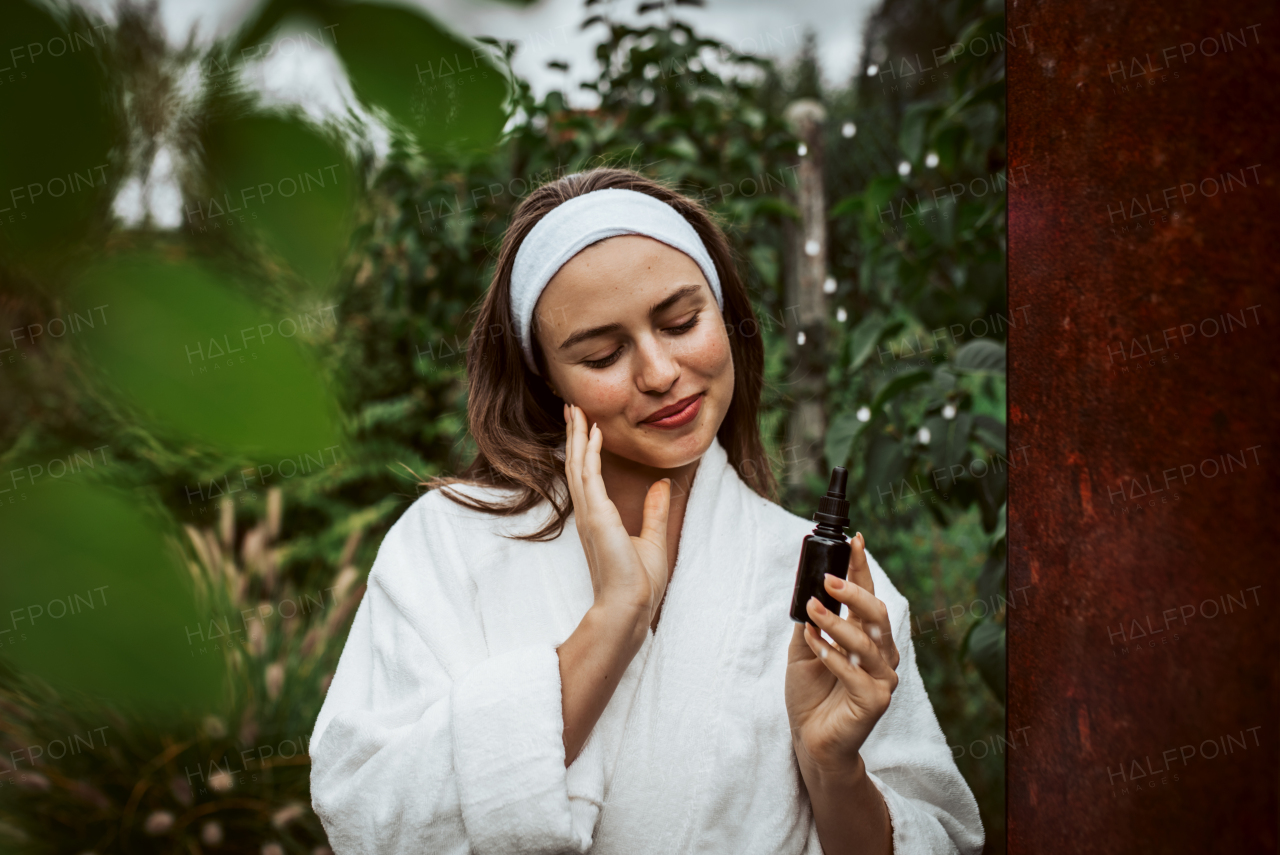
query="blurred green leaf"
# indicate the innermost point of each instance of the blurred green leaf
(841, 433)
(179, 343)
(448, 92)
(56, 165)
(979, 355)
(865, 337)
(990, 432)
(898, 385)
(914, 123)
(94, 599)
(984, 644)
(956, 435)
(293, 185)
(886, 467)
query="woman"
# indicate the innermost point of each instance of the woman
(639, 687)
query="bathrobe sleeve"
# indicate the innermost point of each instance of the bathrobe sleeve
(425, 743)
(907, 756)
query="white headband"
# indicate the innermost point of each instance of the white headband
(583, 220)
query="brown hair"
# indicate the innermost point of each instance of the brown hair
(518, 423)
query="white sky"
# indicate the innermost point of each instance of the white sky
(547, 30)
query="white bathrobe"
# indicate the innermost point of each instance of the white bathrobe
(442, 729)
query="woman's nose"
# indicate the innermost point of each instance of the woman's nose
(658, 369)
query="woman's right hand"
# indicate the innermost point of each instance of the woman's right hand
(626, 572)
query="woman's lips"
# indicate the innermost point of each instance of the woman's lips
(688, 412)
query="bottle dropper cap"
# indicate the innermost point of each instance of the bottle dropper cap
(833, 508)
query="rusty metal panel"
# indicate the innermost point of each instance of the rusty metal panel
(1144, 233)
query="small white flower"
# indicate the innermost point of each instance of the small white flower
(864, 414)
(874, 632)
(211, 833)
(221, 781)
(849, 129)
(842, 315)
(800, 337)
(872, 70)
(923, 436)
(948, 411)
(812, 248)
(802, 149)
(829, 286)
(904, 169)
(854, 660)
(931, 159)
(158, 822)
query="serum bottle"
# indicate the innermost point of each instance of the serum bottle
(827, 550)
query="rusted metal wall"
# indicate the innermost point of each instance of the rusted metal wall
(1144, 228)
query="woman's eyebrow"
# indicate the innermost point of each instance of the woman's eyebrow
(661, 306)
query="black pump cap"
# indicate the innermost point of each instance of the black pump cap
(833, 508)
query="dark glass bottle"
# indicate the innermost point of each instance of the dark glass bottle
(827, 550)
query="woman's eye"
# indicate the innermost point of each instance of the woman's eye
(603, 363)
(686, 326)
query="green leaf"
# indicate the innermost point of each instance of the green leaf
(292, 185)
(865, 337)
(877, 196)
(990, 432)
(991, 583)
(956, 435)
(898, 385)
(912, 135)
(196, 358)
(57, 173)
(979, 355)
(765, 261)
(848, 205)
(447, 91)
(984, 645)
(96, 600)
(841, 433)
(886, 467)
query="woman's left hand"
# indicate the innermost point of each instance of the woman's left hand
(836, 694)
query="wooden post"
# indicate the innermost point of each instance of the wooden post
(805, 311)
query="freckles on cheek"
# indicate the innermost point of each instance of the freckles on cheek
(713, 354)
(602, 398)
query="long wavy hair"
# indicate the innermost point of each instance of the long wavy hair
(516, 421)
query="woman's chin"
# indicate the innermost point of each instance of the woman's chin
(669, 449)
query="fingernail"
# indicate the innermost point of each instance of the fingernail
(822, 652)
(854, 660)
(818, 607)
(874, 632)
(834, 581)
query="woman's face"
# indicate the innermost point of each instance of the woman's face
(629, 327)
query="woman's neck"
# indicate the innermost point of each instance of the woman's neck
(627, 482)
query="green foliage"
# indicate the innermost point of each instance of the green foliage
(59, 172)
(203, 362)
(930, 281)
